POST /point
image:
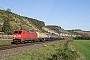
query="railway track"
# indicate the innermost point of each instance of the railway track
(10, 46)
(5, 47)
(15, 49)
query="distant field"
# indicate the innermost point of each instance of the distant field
(83, 46)
(5, 42)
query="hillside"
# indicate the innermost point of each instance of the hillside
(18, 22)
(78, 31)
(84, 34)
(56, 29)
(21, 22)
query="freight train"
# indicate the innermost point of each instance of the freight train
(23, 36)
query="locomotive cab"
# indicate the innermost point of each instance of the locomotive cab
(17, 36)
(22, 36)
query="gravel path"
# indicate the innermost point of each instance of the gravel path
(15, 51)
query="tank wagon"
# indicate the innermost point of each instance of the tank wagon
(29, 36)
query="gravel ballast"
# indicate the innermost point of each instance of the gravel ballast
(15, 51)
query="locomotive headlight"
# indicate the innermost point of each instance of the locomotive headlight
(14, 36)
(19, 35)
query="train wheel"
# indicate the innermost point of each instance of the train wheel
(22, 42)
(40, 40)
(33, 41)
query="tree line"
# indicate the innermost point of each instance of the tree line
(84, 36)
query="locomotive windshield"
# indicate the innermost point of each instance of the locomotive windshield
(17, 32)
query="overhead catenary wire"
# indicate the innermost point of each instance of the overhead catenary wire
(15, 9)
(18, 10)
(28, 8)
(11, 6)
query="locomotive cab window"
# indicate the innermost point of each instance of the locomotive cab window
(17, 32)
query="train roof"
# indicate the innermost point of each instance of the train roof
(31, 31)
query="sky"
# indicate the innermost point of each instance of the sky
(68, 14)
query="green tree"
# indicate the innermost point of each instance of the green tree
(6, 26)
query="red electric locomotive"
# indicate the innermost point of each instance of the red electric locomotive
(24, 35)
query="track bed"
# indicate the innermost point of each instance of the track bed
(15, 49)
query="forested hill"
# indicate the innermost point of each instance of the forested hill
(19, 22)
(16, 22)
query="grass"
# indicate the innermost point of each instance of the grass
(52, 52)
(42, 53)
(5, 42)
(83, 46)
